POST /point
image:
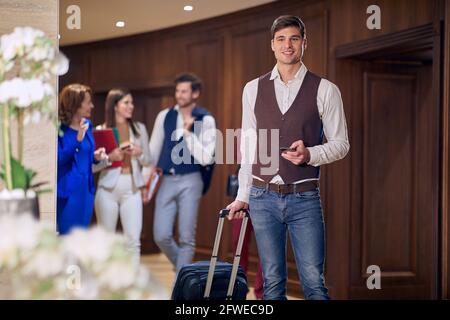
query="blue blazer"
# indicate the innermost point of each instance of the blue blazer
(71, 164)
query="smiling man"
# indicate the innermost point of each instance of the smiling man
(183, 150)
(301, 107)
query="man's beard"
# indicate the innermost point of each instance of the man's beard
(186, 104)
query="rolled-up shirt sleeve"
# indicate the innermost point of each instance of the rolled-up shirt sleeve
(202, 146)
(331, 110)
(144, 158)
(247, 142)
(157, 138)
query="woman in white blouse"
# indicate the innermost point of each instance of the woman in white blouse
(120, 188)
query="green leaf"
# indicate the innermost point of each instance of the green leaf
(30, 174)
(19, 177)
(36, 185)
(41, 191)
(2, 172)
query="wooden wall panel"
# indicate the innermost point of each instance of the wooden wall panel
(316, 54)
(247, 65)
(204, 59)
(348, 18)
(389, 202)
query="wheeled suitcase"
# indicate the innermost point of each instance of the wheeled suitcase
(214, 280)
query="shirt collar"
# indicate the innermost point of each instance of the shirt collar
(299, 75)
(177, 107)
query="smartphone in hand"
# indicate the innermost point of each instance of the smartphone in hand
(282, 149)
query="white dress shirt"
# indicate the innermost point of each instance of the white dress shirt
(200, 146)
(331, 112)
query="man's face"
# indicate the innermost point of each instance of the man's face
(184, 94)
(287, 45)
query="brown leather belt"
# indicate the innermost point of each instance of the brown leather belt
(287, 188)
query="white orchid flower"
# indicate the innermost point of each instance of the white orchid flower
(24, 92)
(60, 65)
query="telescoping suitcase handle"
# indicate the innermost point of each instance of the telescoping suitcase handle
(212, 266)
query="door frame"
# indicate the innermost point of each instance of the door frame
(445, 203)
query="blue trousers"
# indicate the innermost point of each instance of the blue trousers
(273, 215)
(178, 195)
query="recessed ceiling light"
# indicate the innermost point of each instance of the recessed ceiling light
(188, 8)
(120, 24)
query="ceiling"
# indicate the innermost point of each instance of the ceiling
(99, 17)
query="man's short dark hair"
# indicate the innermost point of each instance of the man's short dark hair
(196, 82)
(288, 21)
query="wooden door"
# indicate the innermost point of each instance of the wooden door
(394, 210)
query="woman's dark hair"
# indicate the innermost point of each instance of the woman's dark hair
(70, 100)
(113, 97)
(288, 21)
(196, 82)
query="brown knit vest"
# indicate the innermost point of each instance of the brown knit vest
(300, 122)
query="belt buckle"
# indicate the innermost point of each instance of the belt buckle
(279, 188)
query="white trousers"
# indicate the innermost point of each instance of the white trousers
(124, 200)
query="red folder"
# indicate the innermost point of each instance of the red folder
(105, 138)
(152, 185)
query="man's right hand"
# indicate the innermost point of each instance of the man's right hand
(116, 155)
(235, 208)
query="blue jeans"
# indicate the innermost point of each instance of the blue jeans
(300, 213)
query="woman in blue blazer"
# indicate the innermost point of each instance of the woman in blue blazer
(76, 155)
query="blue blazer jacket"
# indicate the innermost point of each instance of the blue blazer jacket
(70, 172)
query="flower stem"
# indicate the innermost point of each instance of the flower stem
(7, 147)
(20, 134)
